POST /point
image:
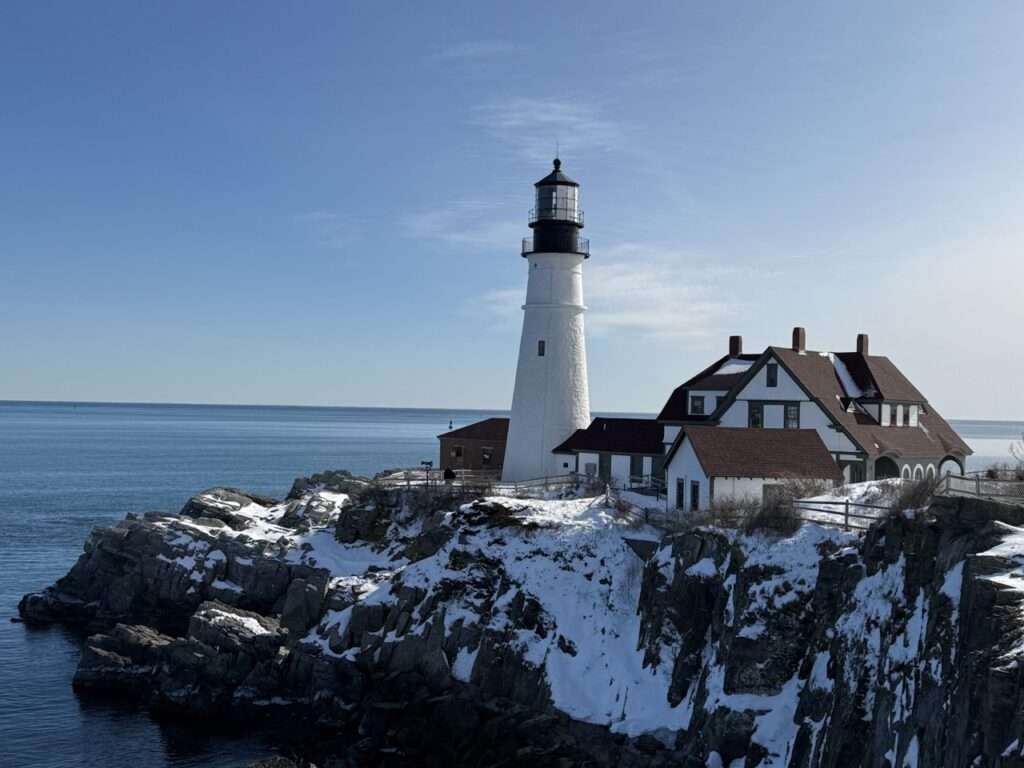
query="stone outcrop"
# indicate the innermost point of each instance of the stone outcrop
(502, 632)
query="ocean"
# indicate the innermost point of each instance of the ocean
(68, 467)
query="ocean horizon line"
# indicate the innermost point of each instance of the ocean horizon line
(436, 409)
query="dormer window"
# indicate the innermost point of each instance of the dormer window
(899, 416)
(885, 415)
(915, 412)
(696, 405)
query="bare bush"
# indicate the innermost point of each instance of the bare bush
(916, 494)
(778, 514)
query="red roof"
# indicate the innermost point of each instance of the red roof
(607, 435)
(495, 428)
(746, 452)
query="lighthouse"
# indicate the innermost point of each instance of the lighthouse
(551, 399)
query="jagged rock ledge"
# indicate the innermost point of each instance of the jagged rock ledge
(407, 629)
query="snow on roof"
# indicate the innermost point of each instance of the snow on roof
(733, 365)
(845, 378)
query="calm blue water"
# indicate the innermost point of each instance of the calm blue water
(65, 468)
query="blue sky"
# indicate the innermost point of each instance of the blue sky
(321, 203)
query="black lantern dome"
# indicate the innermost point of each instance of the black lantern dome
(556, 218)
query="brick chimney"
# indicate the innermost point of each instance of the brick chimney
(862, 344)
(735, 346)
(799, 339)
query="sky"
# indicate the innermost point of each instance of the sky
(322, 203)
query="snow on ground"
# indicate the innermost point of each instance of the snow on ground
(877, 495)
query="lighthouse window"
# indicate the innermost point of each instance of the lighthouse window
(540, 348)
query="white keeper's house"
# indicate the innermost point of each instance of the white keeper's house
(741, 426)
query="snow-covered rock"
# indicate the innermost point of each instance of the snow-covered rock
(473, 631)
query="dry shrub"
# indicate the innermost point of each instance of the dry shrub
(915, 494)
(1005, 471)
(777, 516)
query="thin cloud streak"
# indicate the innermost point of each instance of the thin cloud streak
(472, 50)
(530, 127)
(643, 291)
(461, 225)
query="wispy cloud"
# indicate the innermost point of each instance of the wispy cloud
(640, 290)
(463, 224)
(327, 229)
(472, 50)
(531, 126)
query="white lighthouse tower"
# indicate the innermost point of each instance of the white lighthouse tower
(551, 399)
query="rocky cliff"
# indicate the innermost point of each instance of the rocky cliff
(414, 630)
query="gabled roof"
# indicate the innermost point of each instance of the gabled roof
(613, 435)
(817, 375)
(495, 428)
(777, 453)
(709, 379)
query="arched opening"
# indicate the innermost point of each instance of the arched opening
(885, 468)
(951, 465)
(919, 472)
(930, 472)
(906, 472)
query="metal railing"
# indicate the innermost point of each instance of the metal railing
(569, 213)
(582, 246)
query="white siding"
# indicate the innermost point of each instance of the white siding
(813, 417)
(774, 416)
(685, 467)
(709, 400)
(588, 458)
(736, 415)
(758, 389)
(620, 471)
(739, 488)
(671, 432)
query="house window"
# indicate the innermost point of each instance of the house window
(914, 413)
(792, 415)
(680, 494)
(773, 374)
(906, 416)
(755, 415)
(719, 399)
(456, 452)
(694, 495)
(884, 420)
(899, 416)
(540, 348)
(696, 405)
(485, 456)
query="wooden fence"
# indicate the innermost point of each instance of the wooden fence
(980, 486)
(482, 481)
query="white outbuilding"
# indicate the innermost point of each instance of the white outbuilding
(713, 464)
